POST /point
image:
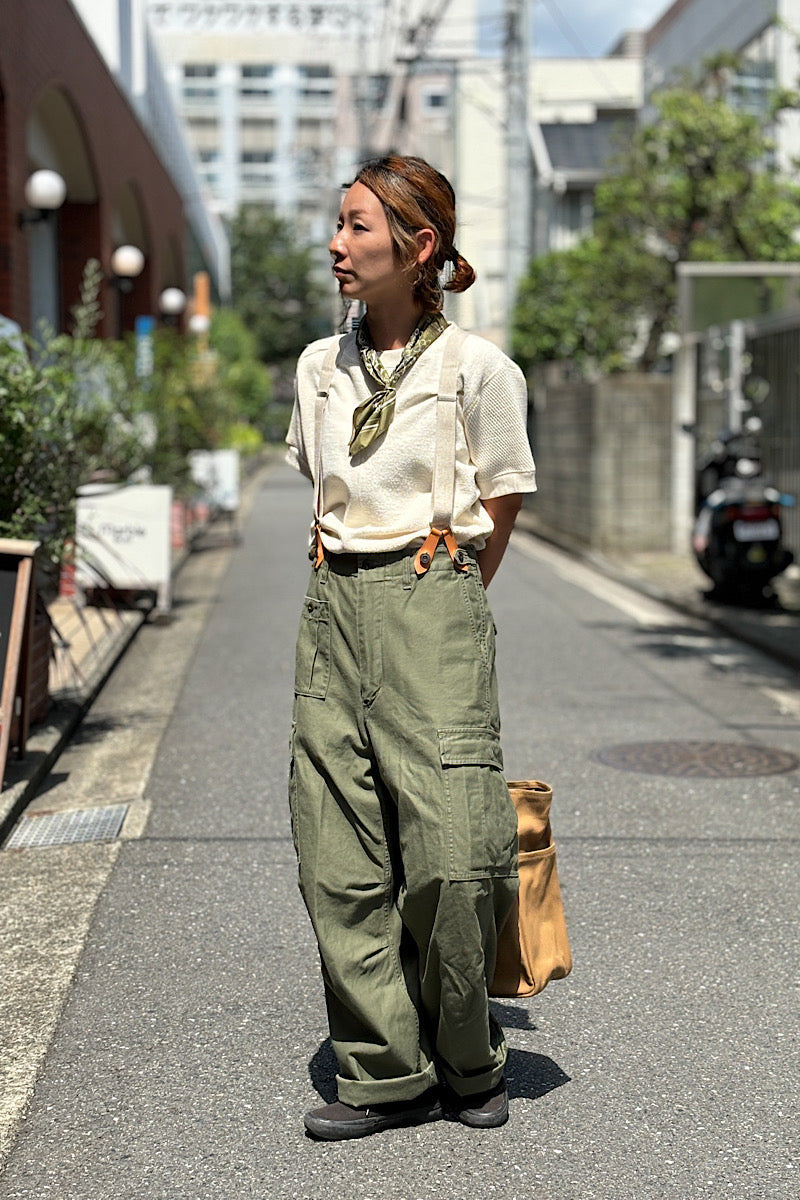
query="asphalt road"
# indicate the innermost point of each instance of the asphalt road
(192, 1034)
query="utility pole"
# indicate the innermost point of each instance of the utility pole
(360, 82)
(417, 38)
(518, 172)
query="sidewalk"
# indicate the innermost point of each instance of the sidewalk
(87, 645)
(677, 580)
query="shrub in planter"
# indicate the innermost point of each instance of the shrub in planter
(66, 411)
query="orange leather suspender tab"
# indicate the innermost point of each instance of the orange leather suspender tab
(319, 553)
(424, 556)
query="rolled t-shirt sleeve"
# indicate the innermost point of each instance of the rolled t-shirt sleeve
(495, 422)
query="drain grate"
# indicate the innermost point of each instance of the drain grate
(68, 828)
(698, 760)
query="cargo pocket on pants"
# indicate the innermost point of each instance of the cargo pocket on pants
(481, 819)
(313, 657)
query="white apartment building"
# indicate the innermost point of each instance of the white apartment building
(763, 32)
(283, 98)
(273, 95)
(259, 96)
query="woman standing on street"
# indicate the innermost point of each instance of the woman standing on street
(414, 437)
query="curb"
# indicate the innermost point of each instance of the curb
(782, 645)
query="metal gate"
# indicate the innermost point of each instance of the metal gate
(773, 355)
(754, 367)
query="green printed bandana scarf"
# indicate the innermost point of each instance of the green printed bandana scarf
(374, 416)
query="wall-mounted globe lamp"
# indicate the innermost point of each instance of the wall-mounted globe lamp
(171, 304)
(127, 262)
(45, 192)
(199, 323)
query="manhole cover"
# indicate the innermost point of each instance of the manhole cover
(704, 760)
(68, 828)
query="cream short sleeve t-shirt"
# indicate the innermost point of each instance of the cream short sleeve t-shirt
(380, 499)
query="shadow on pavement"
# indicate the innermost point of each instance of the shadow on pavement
(531, 1076)
(53, 780)
(511, 1016)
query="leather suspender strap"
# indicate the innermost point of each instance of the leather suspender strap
(444, 465)
(323, 389)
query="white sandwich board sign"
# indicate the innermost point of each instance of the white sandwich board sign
(123, 540)
(216, 473)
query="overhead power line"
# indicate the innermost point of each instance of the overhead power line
(417, 39)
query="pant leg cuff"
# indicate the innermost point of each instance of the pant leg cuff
(361, 1092)
(472, 1084)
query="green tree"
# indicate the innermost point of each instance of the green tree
(698, 182)
(240, 372)
(275, 289)
(73, 405)
(188, 407)
(567, 312)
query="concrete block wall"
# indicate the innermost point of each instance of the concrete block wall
(562, 437)
(603, 458)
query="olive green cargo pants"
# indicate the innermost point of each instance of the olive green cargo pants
(403, 825)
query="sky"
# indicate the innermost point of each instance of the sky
(571, 28)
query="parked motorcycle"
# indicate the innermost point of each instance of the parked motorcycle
(738, 533)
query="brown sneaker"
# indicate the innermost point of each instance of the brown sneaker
(336, 1122)
(484, 1110)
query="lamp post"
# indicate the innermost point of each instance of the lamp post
(127, 263)
(45, 192)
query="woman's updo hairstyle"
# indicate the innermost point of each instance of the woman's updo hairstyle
(416, 196)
